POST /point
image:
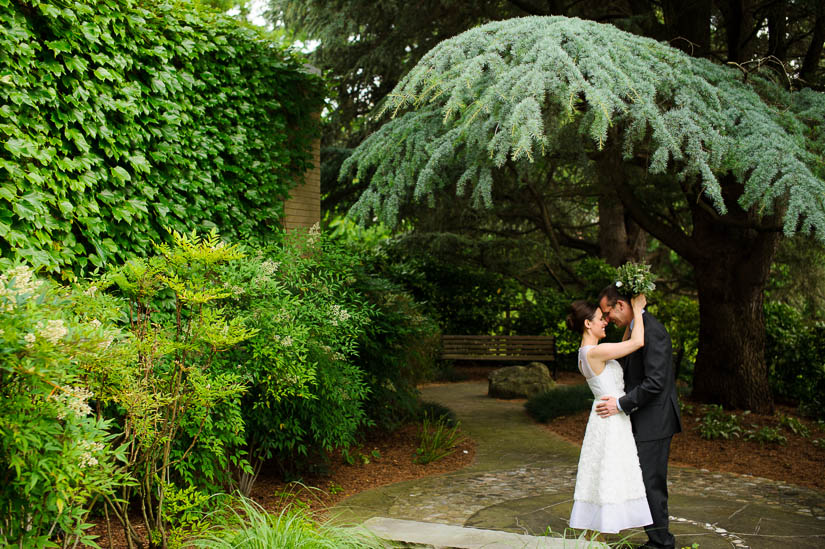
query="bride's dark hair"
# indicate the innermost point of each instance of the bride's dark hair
(580, 311)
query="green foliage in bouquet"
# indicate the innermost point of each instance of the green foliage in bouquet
(635, 278)
(128, 114)
(57, 455)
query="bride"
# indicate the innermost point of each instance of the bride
(610, 494)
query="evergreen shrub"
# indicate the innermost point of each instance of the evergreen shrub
(123, 115)
(560, 401)
(795, 353)
(397, 350)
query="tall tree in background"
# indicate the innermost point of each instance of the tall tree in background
(714, 163)
(368, 47)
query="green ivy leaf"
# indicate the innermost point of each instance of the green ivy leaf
(121, 174)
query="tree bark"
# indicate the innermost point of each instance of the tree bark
(620, 238)
(814, 53)
(731, 274)
(688, 25)
(612, 231)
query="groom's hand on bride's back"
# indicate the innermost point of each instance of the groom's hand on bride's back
(607, 407)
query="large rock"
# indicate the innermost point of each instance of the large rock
(520, 381)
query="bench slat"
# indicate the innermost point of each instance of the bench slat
(486, 347)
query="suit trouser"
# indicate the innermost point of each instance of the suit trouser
(653, 456)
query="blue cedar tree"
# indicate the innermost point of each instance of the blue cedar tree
(514, 90)
(744, 153)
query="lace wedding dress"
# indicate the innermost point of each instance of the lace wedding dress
(610, 494)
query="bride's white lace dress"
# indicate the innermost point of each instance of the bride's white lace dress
(610, 494)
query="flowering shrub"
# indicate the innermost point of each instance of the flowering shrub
(56, 456)
(306, 387)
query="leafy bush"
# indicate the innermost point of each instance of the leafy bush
(460, 295)
(680, 316)
(173, 383)
(306, 390)
(56, 455)
(126, 114)
(766, 435)
(795, 353)
(560, 401)
(794, 425)
(716, 423)
(437, 439)
(397, 350)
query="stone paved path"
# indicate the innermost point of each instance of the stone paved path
(523, 477)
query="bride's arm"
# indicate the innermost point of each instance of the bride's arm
(608, 351)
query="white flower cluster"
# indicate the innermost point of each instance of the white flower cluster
(108, 337)
(338, 315)
(283, 316)
(92, 290)
(74, 400)
(16, 282)
(270, 267)
(88, 449)
(52, 330)
(29, 338)
(314, 234)
(286, 341)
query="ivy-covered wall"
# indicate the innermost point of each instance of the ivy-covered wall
(119, 119)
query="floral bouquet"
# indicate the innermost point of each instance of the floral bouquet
(635, 279)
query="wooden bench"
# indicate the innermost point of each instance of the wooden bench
(499, 348)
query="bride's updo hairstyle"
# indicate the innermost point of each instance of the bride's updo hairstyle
(580, 311)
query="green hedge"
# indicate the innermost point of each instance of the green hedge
(118, 119)
(560, 401)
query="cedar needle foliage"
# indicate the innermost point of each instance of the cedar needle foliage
(518, 90)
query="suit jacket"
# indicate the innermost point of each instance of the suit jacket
(650, 385)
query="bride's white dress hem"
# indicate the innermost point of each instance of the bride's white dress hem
(610, 518)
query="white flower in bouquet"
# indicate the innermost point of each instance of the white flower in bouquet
(635, 279)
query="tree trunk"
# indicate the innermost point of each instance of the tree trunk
(730, 366)
(612, 230)
(688, 25)
(814, 53)
(731, 274)
(621, 239)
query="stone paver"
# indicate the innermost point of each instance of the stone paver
(430, 534)
(523, 477)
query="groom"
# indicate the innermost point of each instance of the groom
(651, 403)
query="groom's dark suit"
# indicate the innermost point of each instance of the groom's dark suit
(651, 402)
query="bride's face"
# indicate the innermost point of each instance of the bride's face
(598, 324)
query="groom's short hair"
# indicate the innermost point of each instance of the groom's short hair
(613, 295)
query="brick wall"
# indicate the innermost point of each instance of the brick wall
(303, 208)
